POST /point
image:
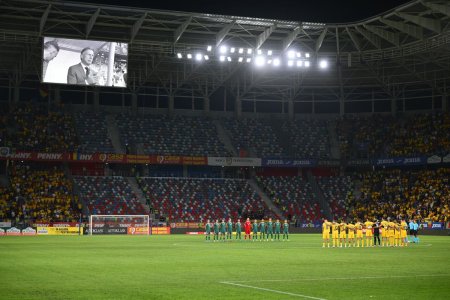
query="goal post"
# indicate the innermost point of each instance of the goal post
(119, 224)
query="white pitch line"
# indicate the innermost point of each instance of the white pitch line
(272, 291)
(342, 278)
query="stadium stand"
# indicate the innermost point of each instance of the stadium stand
(192, 200)
(337, 190)
(108, 195)
(93, 133)
(180, 135)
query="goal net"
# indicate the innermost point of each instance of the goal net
(119, 224)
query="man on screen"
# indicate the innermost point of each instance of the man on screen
(51, 50)
(82, 73)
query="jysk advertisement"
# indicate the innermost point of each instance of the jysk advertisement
(59, 231)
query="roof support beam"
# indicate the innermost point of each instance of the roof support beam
(291, 37)
(354, 39)
(430, 24)
(44, 19)
(411, 30)
(181, 29)
(264, 36)
(370, 37)
(320, 39)
(445, 10)
(391, 37)
(137, 25)
(223, 32)
(91, 22)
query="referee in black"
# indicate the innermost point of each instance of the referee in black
(376, 233)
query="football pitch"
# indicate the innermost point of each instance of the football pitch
(187, 267)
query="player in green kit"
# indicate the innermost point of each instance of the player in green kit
(277, 229)
(216, 231)
(223, 226)
(262, 230)
(238, 227)
(286, 230)
(229, 229)
(270, 229)
(255, 230)
(208, 230)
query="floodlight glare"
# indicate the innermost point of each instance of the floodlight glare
(209, 48)
(323, 64)
(222, 58)
(229, 58)
(206, 57)
(291, 54)
(223, 49)
(240, 59)
(249, 59)
(198, 56)
(269, 52)
(276, 62)
(269, 61)
(232, 50)
(249, 51)
(307, 55)
(241, 50)
(189, 56)
(260, 61)
(299, 63)
(259, 51)
(290, 63)
(179, 55)
(307, 64)
(299, 54)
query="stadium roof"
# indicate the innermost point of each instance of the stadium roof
(402, 53)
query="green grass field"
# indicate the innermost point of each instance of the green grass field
(186, 267)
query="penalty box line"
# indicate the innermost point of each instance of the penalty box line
(270, 290)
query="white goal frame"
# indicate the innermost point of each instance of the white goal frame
(120, 216)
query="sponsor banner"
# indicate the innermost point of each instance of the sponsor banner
(359, 162)
(82, 157)
(5, 224)
(28, 231)
(193, 160)
(448, 225)
(2, 232)
(331, 163)
(168, 160)
(195, 232)
(13, 231)
(437, 225)
(56, 224)
(234, 161)
(110, 230)
(59, 231)
(400, 161)
(137, 230)
(446, 159)
(434, 159)
(112, 158)
(312, 225)
(186, 225)
(138, 159)
(425, 225)
(293, 163)
(160, 230)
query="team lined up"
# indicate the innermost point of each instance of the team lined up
(223, 231)
(393, 234)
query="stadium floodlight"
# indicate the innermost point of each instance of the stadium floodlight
(269, 52)
(290, 63)
(241, 50)
(206, 57)
(232, 50)
(222, 58)
(299, 54)
(223, 49)
(179, 55)
(276, 62)
(291, 54)
(307, 55)
(249, 51)
(229, 58)
(307, 64)
(259, 51)
(240, 59)
(198, 56)
(209, 48)
(323, 64)
(249, 60)
(189, 56)
(260, 61)
(269, 62)
(299, 63)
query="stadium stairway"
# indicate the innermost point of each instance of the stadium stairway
(265, 198)
(334, 142)
(284, 139)
(113, 134)
(224, 138)
(138, 192)
(318, 195)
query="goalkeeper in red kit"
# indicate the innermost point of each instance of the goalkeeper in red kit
(247, 229)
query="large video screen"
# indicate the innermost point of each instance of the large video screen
(84, 62)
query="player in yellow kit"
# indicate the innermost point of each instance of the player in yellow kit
(391, 233)
(351, 234)
(342, 234)
(326, 228)
(335, 233)
(369, 235)
(403, 232)
(397, 237)
(359, 234)
(384, 233)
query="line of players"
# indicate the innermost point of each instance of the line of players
(393, 234)
(223, 231)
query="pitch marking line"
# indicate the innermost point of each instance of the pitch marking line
(339, 278)
(270, 290)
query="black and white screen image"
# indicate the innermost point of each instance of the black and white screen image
(84, 62)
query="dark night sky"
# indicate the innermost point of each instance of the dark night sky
(326, 11)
